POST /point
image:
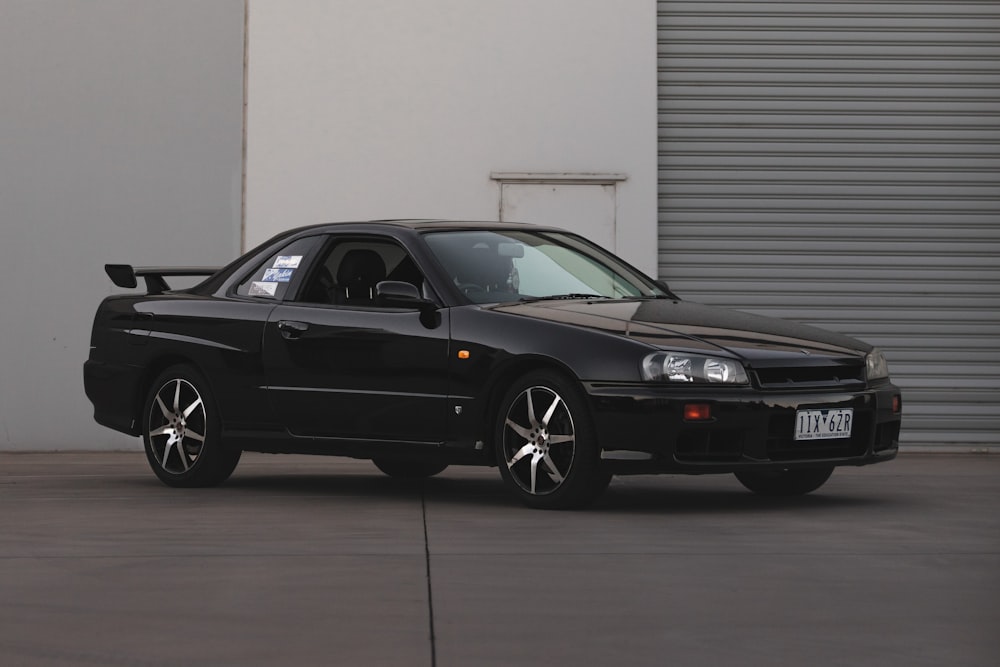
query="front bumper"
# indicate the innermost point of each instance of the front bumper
(641, 428)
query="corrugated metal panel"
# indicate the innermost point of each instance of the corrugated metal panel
(838, 163)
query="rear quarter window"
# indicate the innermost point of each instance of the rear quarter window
(278, 273)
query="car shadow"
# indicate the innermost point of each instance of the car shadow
(653, 494)
(480, 490)
(662, 498)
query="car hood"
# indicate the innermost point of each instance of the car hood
(669, 324)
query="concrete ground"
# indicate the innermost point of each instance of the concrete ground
(317, 561)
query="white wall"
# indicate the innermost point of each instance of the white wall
(120, 141)
(361, 109)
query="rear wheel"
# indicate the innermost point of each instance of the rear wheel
(409, 468)
(785, 482)
(182, 432)
(545, 444)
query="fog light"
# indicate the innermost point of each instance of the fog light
(897, 404)
(697, 412)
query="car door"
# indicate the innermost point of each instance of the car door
(338, 365)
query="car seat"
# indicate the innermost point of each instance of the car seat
(359, 271)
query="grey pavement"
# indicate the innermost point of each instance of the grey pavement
(324, 561)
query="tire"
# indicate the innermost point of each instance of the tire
(545, 444)
(409, 468)
(785, 482)
(182, 431)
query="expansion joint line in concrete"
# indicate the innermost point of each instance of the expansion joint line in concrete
(430, 588)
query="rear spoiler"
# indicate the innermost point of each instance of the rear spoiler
(125, 275)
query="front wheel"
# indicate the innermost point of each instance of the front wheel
(785, 482)
(545, 444)
(182, 431)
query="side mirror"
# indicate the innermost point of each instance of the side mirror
(662, 284)
(399, 294)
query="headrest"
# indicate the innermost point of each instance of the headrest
(360, 267)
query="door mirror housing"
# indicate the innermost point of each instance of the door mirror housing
(662, 284)
(399, 294)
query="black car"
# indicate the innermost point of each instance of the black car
(419, 344)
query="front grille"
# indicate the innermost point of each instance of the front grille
(782, 445)
(844, 376)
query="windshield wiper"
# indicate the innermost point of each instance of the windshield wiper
(563, 297)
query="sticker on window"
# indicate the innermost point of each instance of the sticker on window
(287, 261)
(263, 289)
(277, 275)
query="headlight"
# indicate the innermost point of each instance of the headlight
(680, 367)
(876, 367)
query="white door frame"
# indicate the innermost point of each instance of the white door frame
(611, 180)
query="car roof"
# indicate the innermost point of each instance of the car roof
(427, 224)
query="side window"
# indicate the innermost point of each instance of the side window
(273, 278)
(351, 268)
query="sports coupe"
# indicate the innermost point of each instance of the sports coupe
(421, 344)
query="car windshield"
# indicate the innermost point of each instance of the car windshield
(504, 266)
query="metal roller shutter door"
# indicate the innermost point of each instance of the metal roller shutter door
(839, 164)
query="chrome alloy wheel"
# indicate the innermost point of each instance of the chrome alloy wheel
(176, 426)
(539, 436)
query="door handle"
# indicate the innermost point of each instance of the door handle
(291, 329)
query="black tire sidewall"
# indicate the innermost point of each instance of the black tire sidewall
(409, 468)
(586, 478)
(216, 461)
(785, 482)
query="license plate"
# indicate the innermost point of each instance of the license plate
(823, 424)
